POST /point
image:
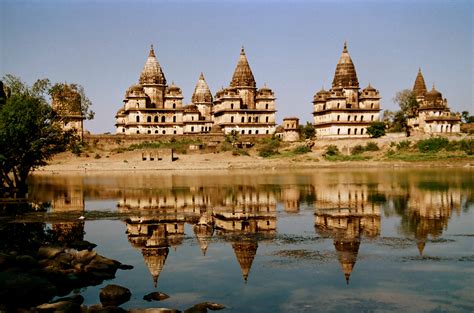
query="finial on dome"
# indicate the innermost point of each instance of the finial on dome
(419, 69)
(433, 88)
(201, 76)
(242, 50)
(152, 51)
(345, 47)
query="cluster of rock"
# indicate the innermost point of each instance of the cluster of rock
(111, 297)
(28, 280)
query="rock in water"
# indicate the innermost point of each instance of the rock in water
(114, 295)
(24, 290)
(62, 306)
(157, 296)
(203, 306)
(49, 252)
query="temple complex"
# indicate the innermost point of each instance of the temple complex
(344, 110)
(153, 107)
(243, 108)
(434, 115)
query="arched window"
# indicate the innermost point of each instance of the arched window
(362, 131)
(250, 132)
(348, 118)
(231, 119)
(349, 131)
(192, 128)
(371, 117)
(267, 131)
(138, 131)
(372, 106)
(338, 117)
(256, 119)
(156, 119)
(338, 105)
(163, 119)
(441, 128)
(148, 119)
(138, 119)
(232, 106)
(338, 131)
(355, 131)
(123, 130)
(149, 131)
(361, 118)
(324, 107)
(243, 119)
(243, 132)
(164, 132)
(256, 132)
(249, 119)
(174, 119)
(266, 119)
(156, 131)
(174, 105)
(266, 106)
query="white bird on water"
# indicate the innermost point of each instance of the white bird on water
(82, 217)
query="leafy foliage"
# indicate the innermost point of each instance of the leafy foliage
(371, 146)
(466, 117)
(331, 150)
(407, 101)
(376, 129)
(269, 147)
(301, 149)
(358, 149)
(307, 131)
(432, 144)
(29, 135)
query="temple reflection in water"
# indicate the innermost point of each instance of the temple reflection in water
(243, 209)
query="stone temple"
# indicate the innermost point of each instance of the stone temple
(154, 108)
(344, 110)
(434, 115)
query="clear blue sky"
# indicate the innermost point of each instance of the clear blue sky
(292, 46)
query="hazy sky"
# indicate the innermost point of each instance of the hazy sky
(292, 46)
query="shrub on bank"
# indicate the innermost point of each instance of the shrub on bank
(331, 150)
(371, 146)
(301, 149)
(432, 144)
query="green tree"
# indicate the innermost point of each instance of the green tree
(62, 92)
(466, 117)
(376, 129)
(29, 135)
(308, 130)
(407, 102)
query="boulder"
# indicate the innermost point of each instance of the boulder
(125, 267)
(74, 298)
(98, 308)
(49, 252)
(114, 295)
(61, 306)
(203, 306)
(154, 310)
(82, 245)
(26, 261)
(84, 256)
(156, 296)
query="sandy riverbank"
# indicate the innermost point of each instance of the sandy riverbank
(130, 161)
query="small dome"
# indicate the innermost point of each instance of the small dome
(191, 108)
(136, 88)
(321, 95)
(369, 88)
(433, 95)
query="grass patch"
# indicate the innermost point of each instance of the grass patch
(180, 146)
(269, 147)
(341, 157)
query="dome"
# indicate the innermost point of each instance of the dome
(243, 76)
(345, 75)
(369, 88)
(202, 93)
(152, 73)
(136, 88)
(321, 95)
(433, 95)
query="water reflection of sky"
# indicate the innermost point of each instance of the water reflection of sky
(326, 241)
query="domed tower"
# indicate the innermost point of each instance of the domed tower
(153, 80)
(345, 77)
(202, 97)
(244, 81)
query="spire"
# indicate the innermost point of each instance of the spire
(152, 52)
(245, 252)
(419, 88)
(347, 251)
(243, 76)
(202, 93)
(345, 75)
(421, 246)
(155, 260)
(152, 72)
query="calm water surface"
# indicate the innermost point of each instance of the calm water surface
(304, 241)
